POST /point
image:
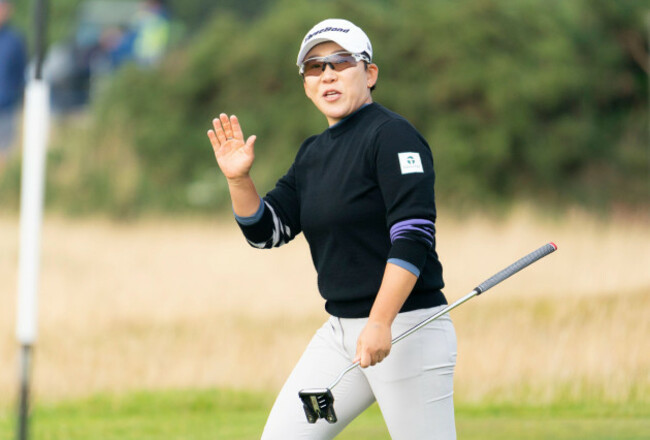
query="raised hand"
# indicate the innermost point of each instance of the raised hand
(234, 155)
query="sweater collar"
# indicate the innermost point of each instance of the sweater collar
(344, 124)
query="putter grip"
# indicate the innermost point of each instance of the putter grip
(516, 267)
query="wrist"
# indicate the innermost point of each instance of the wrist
(377, 321)
(238, 182)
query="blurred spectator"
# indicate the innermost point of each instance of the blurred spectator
(109, 34)
(67, 71)
(147, 41)
(13, 59)
(153, 33)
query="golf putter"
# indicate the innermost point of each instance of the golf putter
(318, 403)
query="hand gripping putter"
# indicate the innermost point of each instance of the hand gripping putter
(318, 403)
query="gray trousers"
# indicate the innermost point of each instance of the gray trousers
(413, 386)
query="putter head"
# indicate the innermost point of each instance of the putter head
(318, 403)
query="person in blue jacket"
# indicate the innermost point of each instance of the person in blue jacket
(13, 60)
(362, 192)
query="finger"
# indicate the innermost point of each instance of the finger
(213, 140)
(227, 128)
(236, 128)
(221, 136)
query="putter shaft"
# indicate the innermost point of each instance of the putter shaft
(409, 332)
(481, 288)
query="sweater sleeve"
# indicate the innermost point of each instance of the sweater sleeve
(404, 166)
(277, 220)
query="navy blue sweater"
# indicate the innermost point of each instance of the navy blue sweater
(362, 193)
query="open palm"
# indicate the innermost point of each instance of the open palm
(234, 155)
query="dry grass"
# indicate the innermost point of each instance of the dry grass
(187, 304)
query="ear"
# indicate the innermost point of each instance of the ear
(372, 73)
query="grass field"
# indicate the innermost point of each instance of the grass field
(186, 304)
(233, 415)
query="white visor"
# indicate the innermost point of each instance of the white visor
(343, 32)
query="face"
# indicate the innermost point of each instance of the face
(339, 94)
(5, 12)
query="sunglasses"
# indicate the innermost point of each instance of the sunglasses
(337, 61)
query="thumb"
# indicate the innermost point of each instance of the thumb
(250, 143)
(364, 359)
(357, 355)
(362, 356)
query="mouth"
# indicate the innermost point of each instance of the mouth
(331, 95)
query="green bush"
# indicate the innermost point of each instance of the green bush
(541, 100)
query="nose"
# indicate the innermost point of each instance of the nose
(328, 74)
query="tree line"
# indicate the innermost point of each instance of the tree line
(537, 100)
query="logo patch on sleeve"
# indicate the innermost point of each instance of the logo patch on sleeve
(410, 163)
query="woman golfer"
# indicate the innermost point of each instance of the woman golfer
(362, 193)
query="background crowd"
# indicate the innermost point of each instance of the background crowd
(106, 35)
(13, 60)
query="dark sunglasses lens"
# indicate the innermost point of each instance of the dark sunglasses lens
(343, 62)
(338, 62)
(312, 68)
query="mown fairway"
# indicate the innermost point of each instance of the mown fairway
(228, 415)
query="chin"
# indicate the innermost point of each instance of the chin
(336, 113)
